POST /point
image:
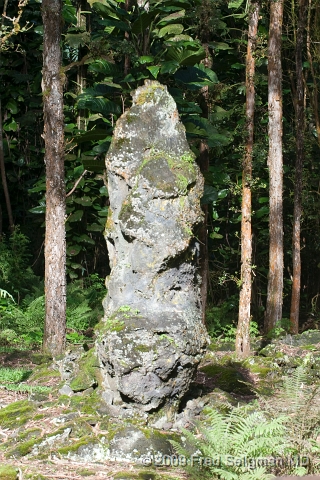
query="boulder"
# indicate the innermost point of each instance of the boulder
(151, 338)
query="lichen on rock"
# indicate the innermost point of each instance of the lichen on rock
(151, 338)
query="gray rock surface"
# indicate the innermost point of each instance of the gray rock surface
(151, 338)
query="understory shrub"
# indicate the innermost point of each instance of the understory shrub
(24, 323)
(276, 436)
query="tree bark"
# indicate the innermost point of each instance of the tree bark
(55, 243)
(243, 330)
(297, 210)
(275, 164)
(4, 177)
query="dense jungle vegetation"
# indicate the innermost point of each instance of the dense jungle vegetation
(198, 49)
(226, 64)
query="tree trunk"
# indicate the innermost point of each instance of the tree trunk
(203, 163)
(314, 93)
(275, 278)
(243, 330)
(55, 243)
(4, 178)
(297, 211)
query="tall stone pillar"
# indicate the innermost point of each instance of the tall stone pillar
(151, 338)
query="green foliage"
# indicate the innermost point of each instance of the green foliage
(284, 426)
(238, 434)
(221, 321)
(15, 271)
(23, 325)
(282, 328)
(16, 375)
(299, 400)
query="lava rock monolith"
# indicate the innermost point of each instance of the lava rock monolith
(151, 338)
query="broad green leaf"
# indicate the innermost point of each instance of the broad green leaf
(223, 193)
(77, 171)
(103, 212)
(93, 165)
(263, 200)
(39, 209)
(69, 14)
(12, 126)
(73, 250)
(76, 40)
(235, 4)
(169, 67)
(174, 29)
(102, 147)
(76, 216)
(128, 79)
(86, 239)
(98, 105)
(238, 66)
(104, 191)
(154, 71)
(84, 201)
(94, 227)
(92, 135)
(218, 140)
(38, 188)
(215, 235)
(146, 59)
(75, 265)
(219, 46)
(102, 89)
(208, 72)
(173, 16)
(12, 106)
(196, 77)
(210, 195)
(143, 22)
(186, 56)
(104, 67)
(262, 211)
(193, 129)
(38, 29)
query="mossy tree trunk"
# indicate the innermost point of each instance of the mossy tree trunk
(275, 164)
(243, 331)
(55, 243)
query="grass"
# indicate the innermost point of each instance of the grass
(14, 375)
(11, 378)
(22, 388)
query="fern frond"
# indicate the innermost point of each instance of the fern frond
(5, 294)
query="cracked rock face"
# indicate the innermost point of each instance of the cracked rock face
(151, 338)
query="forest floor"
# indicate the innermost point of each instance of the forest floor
(49, 417)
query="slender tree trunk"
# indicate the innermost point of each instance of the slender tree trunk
(2, 164)
(203, 234)
(204, 164)
(4, 178)
(55, 243)
(297, 211)
(275, 163)
(82, 69)
(314, 94)
(243, 330)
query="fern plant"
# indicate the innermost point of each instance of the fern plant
(233, 440)
(299, 400)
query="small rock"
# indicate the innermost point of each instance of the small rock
(66, 390)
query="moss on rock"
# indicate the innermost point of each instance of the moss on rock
(227, 377)
(16, 414)
(7, 472)
(21, 449)
(87, 373)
